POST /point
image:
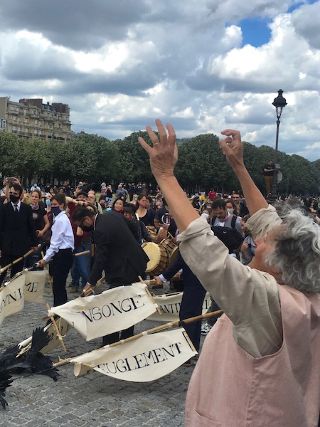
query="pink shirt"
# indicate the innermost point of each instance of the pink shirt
(231, 388)
(259, 365)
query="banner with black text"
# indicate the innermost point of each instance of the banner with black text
(169, 305)
(34, 285)
(12, 297)
(144, 359)
(113, 310)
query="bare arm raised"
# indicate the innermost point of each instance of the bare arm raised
(232, 148)
(163, 156)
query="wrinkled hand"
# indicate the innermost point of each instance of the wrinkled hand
(87, 290)
(163, 153)
(232, 147)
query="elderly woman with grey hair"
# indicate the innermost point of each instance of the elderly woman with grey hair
(259, 365)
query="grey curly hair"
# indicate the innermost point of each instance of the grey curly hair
(297, 251)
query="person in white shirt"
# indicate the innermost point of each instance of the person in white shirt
(60, 250)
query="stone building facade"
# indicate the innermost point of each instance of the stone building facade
(30, 118)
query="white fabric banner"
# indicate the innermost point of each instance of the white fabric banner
(34, 285)
(54, 343)
(113, 310)
(63, 327)
(12, 297)
(147, 358)
(169, 305)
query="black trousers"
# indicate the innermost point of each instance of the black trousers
(16, 268)
(61, 264)
(121, 335)
(191, 305)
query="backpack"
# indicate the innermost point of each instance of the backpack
(230, 237)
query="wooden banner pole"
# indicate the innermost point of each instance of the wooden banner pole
(57, 330)
(3, 269)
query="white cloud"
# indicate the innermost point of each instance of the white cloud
(179, 61)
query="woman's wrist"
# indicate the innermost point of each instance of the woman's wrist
(165, 180)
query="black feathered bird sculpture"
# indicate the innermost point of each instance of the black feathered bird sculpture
(30, 360)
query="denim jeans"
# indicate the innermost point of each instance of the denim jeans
(81, 265)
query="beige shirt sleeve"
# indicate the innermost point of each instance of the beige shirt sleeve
(249, 297)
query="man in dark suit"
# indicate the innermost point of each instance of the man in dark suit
(17, 234)
(192, 298)
(117, 253)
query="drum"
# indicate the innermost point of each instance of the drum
(173, 255)
(152, 231)
(169, 245)
(158, 258)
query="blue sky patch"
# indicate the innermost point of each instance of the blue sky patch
(299, 4)
(255, 31)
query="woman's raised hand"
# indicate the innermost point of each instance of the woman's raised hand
(232, 147)
(163, 153)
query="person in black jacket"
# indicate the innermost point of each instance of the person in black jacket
(117, 253)
(192, 298)
(17, 233)
(137, 227)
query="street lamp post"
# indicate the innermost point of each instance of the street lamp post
(279, 103)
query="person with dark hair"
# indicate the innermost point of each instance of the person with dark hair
(121, 192)
(222, 218)
(41, 225)
(39, 215)
(143, 210)
(231, 207)
(102, 202)
(116, 252)
(60, 251)
(137, 227)
(118, 205)
(17, 233)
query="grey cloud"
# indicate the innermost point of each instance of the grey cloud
(250, 118)
(231, 10)
(203, 81)
(79, 24)
(306, 23)
(26, 63)
(130, 83)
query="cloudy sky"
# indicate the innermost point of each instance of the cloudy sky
(204, 65)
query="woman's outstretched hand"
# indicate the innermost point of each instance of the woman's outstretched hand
(232, 148)
(163, 153)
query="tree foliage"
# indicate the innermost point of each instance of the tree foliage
(201, 164)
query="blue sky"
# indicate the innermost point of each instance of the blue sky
(255, 31)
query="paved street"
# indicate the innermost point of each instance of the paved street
(93, 400)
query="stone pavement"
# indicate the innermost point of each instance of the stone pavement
(93, 400)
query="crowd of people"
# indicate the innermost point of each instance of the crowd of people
(259, 264)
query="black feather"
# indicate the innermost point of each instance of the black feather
(43, 365)
(40, 339)
(8, 357)
(31, 361)
(5, 382)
